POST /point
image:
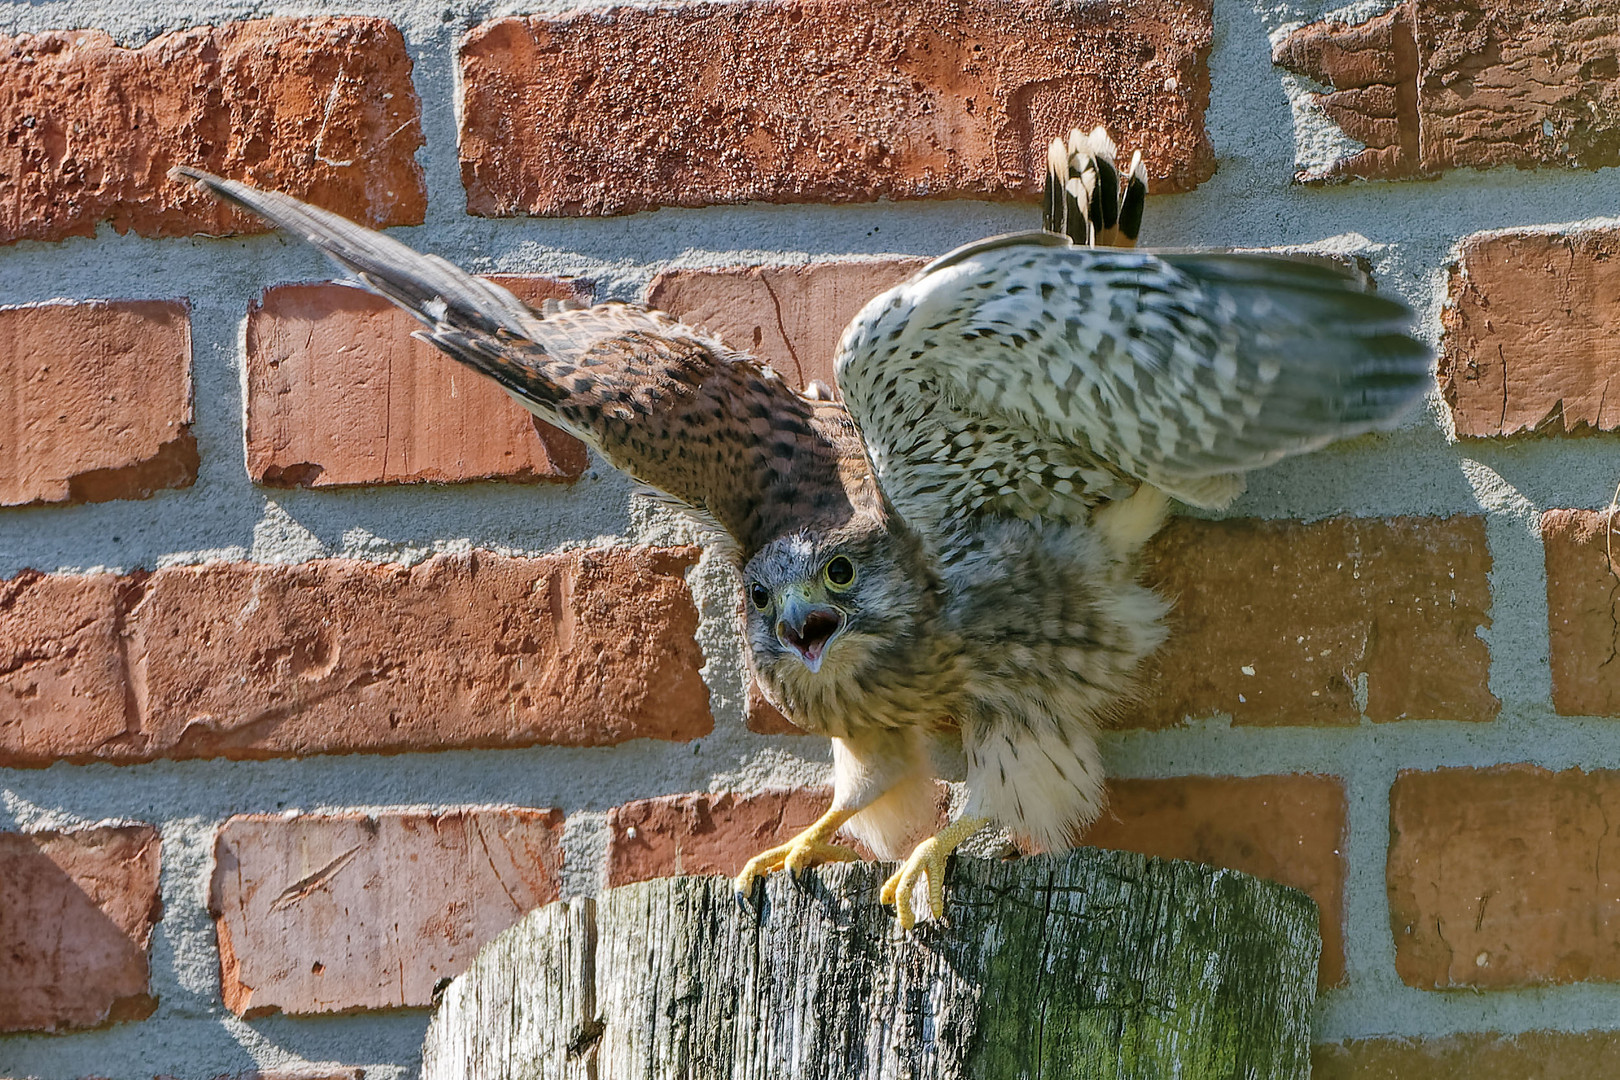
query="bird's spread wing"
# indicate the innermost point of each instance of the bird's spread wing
(1026, 376)
(717, 432)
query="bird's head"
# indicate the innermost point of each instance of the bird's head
(827, 599)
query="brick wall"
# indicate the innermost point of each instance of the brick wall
(320, 662)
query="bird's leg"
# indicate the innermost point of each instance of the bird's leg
(1126, 524)
(928, 858)
(810, 848)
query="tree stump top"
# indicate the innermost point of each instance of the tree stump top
(1099, 964)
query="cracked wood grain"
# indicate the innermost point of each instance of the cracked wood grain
(1104, 964)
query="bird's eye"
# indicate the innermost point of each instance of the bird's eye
(840, 573)
(761, 596)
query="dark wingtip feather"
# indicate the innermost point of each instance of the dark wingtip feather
(426, 286)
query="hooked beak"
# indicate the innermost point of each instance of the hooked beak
(808, 628)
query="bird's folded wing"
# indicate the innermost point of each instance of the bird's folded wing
(717, 432)
(1021, 375)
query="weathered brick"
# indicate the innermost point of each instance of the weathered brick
(76, 914)
(322, 108)
(1278, 622)
(1583, 591)
(325, 913)
(339, 393)
(586, 648)
(62, 686)
(1468, 83)
(1496, 877)
(821, 100)
(304, 1072)
(97, 399)
(1528, 340)
(1285, 828)
(248, 660)
(789, 316)
(716, 834)
(704, 834)
(763, 718)
(1532, 1055)
(1373, 67)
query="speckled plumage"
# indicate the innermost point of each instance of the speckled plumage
(940, 571)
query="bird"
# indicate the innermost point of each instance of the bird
(940, 563)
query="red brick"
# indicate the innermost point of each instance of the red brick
(1533, 1055)
(332, 913)
(62, 686)
(790, 316)
(1496, 877)
(322, 108)
(1275, 622)
(1374, 68)
(1583, 588)
(76, 915)
(247, 660)
(1528, 342)
(706, 834)
(587, 648)
(1468, 83)
(340, 393)
(1285, 828)
(821, 101)
(97, 401)
(310, 1072)
(763, 718)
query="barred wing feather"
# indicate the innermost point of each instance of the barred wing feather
(1025, 376)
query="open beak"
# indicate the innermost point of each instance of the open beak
(808, 629)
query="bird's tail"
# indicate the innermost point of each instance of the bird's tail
(1085, 199)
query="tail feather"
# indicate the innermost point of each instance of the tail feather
(1133, 202)
(1084, 199)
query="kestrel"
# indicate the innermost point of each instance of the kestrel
(943, 566)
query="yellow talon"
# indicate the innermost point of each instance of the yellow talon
(810, 848)
(927, 858)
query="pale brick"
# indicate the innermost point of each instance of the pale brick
(339, 393)
(1529, 340)
(76, 914)
(1278, 622)
(1285, 828)
(786, 101)
(96, 397)
(1496, 877)
(330, 913)
(322, 108)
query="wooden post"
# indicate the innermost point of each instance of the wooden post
(1098, 965)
